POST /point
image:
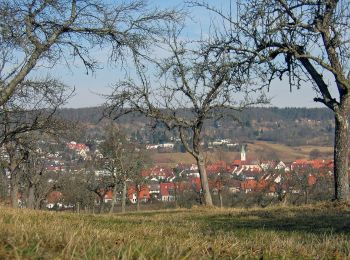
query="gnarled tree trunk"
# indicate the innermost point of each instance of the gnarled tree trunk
(31, 197)
(204, 180)
(341, 153)
(14, 190)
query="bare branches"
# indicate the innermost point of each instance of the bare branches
(32, 108)
(52, 30)
(301, 40)
(191, 85)
(290, 37)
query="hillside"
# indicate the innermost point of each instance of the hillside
(312, 232)
(256, 150)
(289, 126)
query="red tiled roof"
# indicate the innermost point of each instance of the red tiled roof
(249, 184)
(157, 171)
(109, 195)
(54, 197)
(144, 193)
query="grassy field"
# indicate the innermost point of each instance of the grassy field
(316, 232)
(255, 149)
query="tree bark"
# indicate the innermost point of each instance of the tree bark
(306, 196)
(14, 191)
(175, 195)
(220, 198)
(100, 209)
(124, 197)
(204, 181)
(341, 153)
(114, 198)
(31, 197)
(138, 200)
(38, 204)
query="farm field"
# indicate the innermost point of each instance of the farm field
(255, 149)
(319, 232)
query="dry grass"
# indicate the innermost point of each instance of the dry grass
(307, 232)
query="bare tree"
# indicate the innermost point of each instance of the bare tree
(192, 86)
(96, 180)
(39, 181)
(30, 110)
(304, 41)
(36, 33)
(121, 159)
(16, 157)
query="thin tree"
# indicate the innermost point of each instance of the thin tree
(121, 159)
(192, 86)
(304, 41)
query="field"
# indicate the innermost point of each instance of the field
(317, 232)
(255, 150)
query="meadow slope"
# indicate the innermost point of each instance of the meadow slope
(320, 232)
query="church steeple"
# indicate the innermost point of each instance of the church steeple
(243, 153)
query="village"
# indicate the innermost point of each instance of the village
(246, 176)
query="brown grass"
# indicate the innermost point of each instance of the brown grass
(320, 232)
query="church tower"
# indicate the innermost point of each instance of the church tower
(243, 153)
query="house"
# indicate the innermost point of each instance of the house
(78, 147)
(158, 173)
(108, 196)
(154, 189)
(53, 199)
(244, 164)
(167, 191)
(234, 186)
(219, 167)
(312, 164)
(156, 146)
(144, 194)
(248, 185)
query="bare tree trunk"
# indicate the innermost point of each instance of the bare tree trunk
(38, 204)
(100, 209)
(14, 190)
(175, 194)
(220, 198)
(204, 181)
(124, 197)
(137, 199)
(341, 152)
(114, 198)
(306, 196)
(31, 197)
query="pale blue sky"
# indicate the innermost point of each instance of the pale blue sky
(88, 85)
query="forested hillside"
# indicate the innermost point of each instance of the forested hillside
(290, 126)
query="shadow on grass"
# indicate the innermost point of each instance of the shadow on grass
(303, 220)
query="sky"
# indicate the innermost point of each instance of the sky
(90, 88)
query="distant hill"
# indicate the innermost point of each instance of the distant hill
(289, 126)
